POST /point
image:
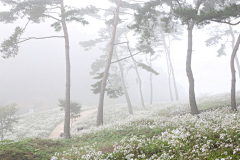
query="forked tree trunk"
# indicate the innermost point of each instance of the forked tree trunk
(139, 79)
(192, 100)
(124, 86)
(136, 69)
(170, 70)
(67, 92)
(105, 76)
(233, 43)
(174, 81)
(233, 86)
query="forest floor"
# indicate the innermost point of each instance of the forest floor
(59, 128)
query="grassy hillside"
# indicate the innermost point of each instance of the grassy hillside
(159, 131)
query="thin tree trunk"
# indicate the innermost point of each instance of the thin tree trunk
(233, 86)
(124, 86)
(105, 76)
(150, 79)
(140, 81)
(136, 69)
(174, 81)
(233, 44)
(2, 130)
(67, 92)
(192, 100)
(151, 88)
(168, 66)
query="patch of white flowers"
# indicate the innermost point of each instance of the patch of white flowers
(179, 131)
(38, 124)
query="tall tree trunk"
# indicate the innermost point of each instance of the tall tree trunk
(124, 86)
(67, 92)
(105, 76)
(170, 67)
(150, 79)
(233, 86)
(192, 100)
(233, 44)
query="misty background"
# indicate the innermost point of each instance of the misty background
(35, 78)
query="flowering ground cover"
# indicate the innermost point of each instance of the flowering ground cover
(158, 131)
(38, 125)
(212, 135)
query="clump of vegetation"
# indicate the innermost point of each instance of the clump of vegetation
(7, 119)
(75, 108)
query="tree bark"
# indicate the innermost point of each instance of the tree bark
(67, 58)
(233, 86)
(105, 76)
(192, 99)
(124, 86)
(233, 43)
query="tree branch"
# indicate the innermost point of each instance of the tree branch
(126, 57)
(52, 17)
(29, 38)
(120, 43)
(179, 4)
(225, 22)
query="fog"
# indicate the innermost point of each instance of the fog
(35, 78)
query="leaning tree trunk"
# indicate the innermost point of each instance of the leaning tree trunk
(233, 86)
(136, 69)
(67, 92)
(233, 44)
(192, 100)
(105, 76)
(124, 86)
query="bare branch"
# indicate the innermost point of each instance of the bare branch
(52, 17)
(120, 43)
(26, 25)
(225, 22)
(127, 57)
(29, 38)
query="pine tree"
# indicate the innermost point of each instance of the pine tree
(224, 13)
(36, 11)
